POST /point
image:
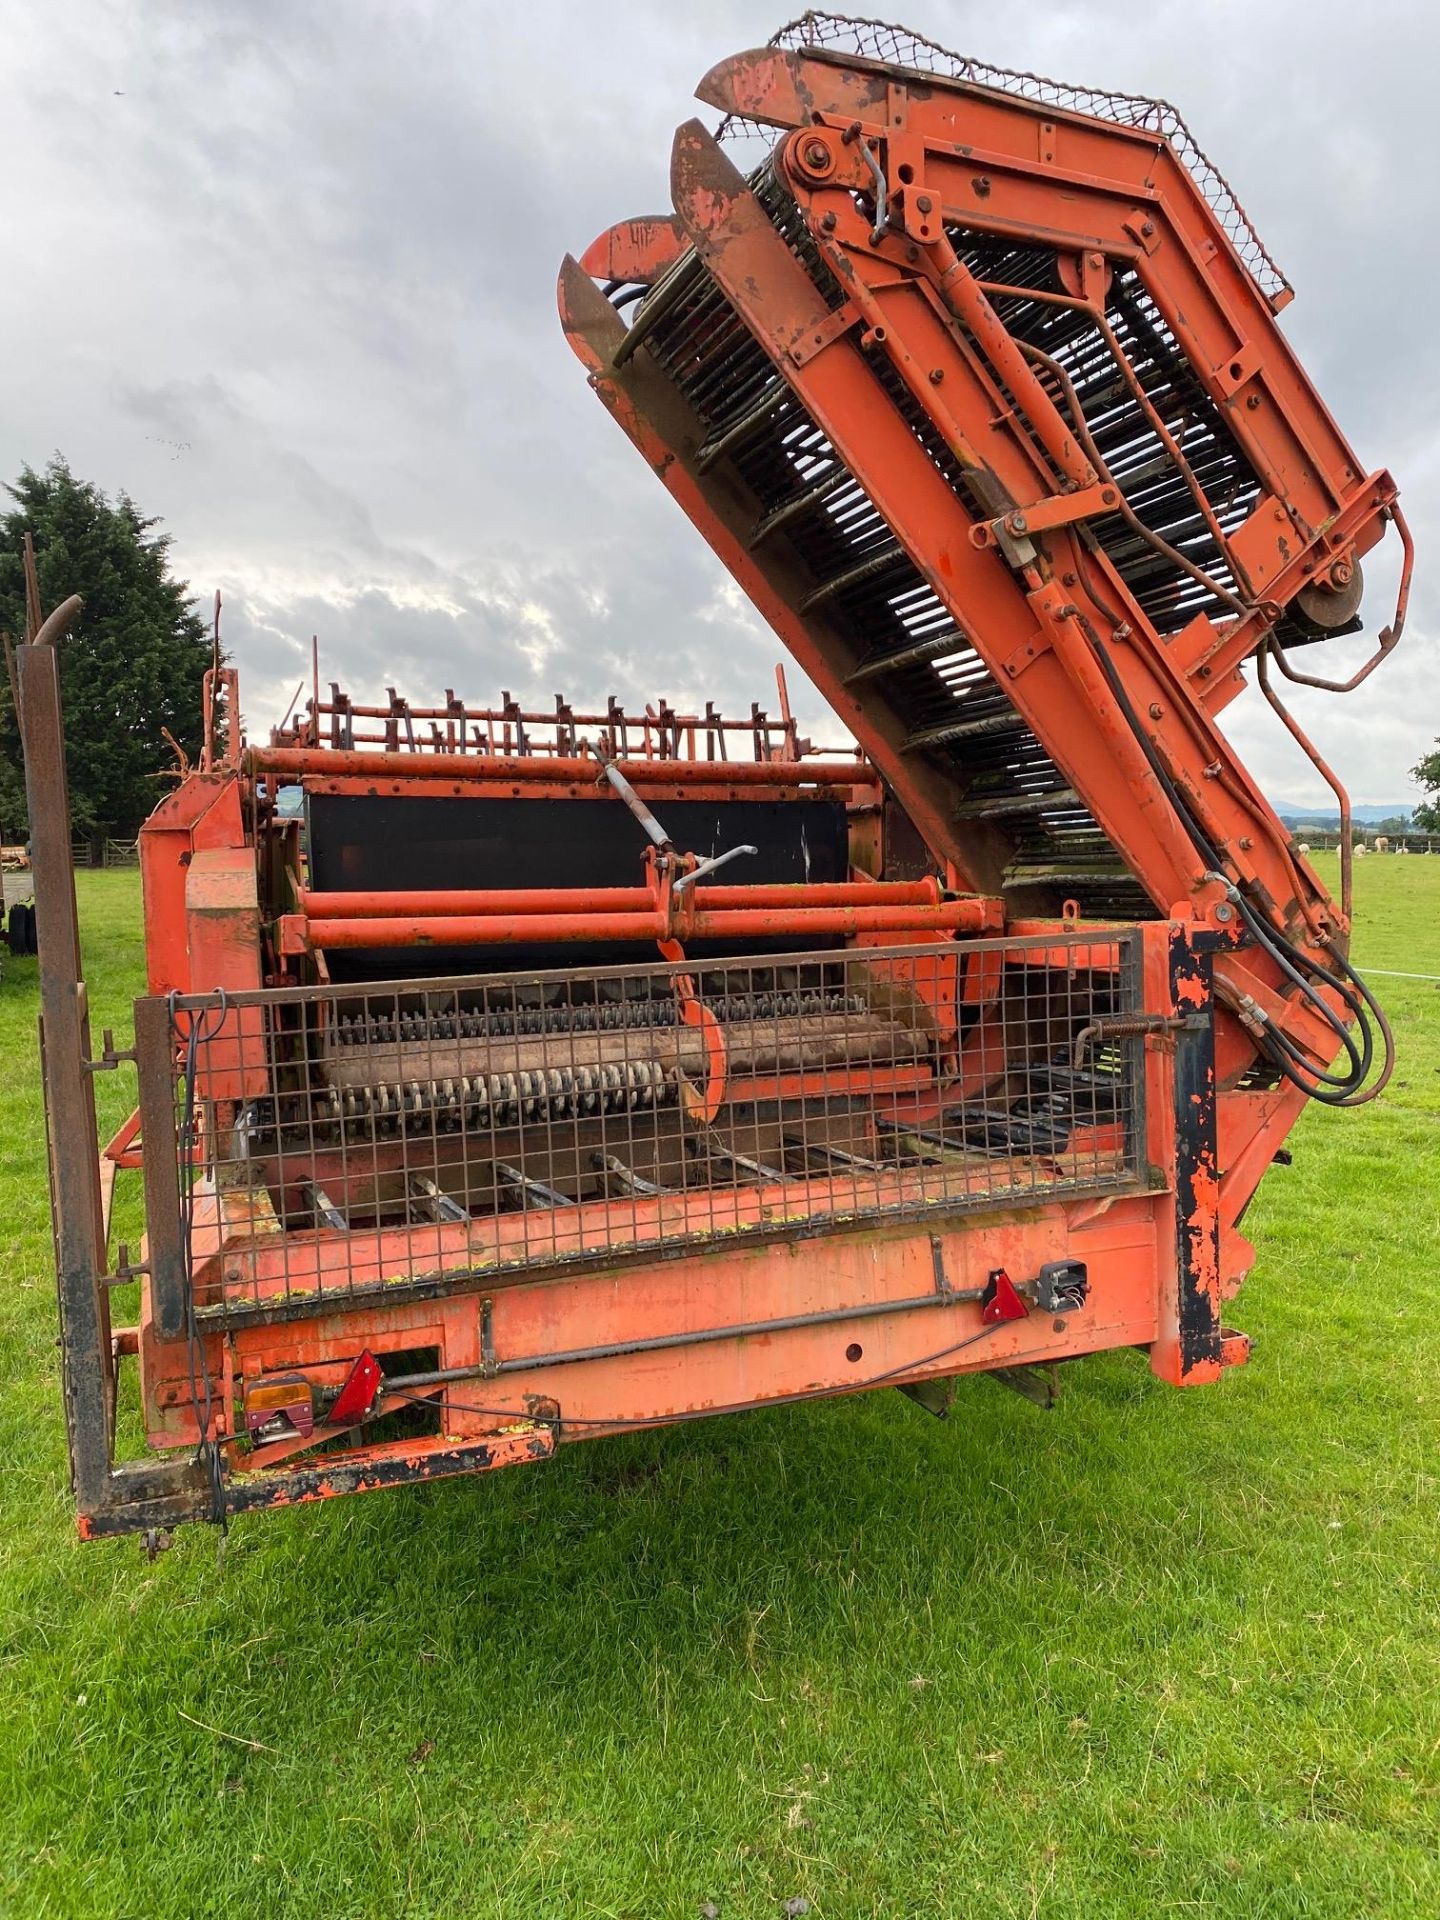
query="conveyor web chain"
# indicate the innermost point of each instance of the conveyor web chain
(601, 1016)
(913, 656)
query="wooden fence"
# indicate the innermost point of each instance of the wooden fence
(101, 851)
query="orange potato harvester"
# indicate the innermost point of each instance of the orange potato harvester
(740, 1072)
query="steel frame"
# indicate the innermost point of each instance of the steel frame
(983, 479)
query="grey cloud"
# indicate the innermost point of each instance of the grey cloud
(295, 292)
(531, 634)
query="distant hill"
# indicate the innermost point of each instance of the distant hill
(1328, 817)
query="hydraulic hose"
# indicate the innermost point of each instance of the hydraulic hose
(1344, 1089)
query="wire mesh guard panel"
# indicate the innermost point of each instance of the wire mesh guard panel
(898, 46)
(344, 1142)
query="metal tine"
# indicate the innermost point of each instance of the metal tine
(434, 1201)
(667, 293)
(626, 1177)
(715, 1149)
(890, 556)
(529, 1189)
(834, 1156)
(324, 1208)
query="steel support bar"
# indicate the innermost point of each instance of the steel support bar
(1197, 1172)
(69, 1090)
(296, 763)
(164, 1244)
(698, 1337)
(143, 1501)
(525, 900)
(468, 902)
(955, 916)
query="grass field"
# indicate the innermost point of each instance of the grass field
(1153, 1653)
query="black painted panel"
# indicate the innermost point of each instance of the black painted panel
(385, 843)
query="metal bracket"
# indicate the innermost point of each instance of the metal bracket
(937, 1261)
(1025, 654)
(111, 1056)
(814, 338)
(1057, 510)
(125, 1269)
(1039, 1385)
(1237, 368)
(1143, 230)
(935, 1396)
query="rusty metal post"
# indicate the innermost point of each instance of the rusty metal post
(69, 1091)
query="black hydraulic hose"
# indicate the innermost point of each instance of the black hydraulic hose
(1358, 1097)
(1315, 1083)
(1277, 1046)
(1360, 1063)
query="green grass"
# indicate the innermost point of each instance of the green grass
(1154, 1653)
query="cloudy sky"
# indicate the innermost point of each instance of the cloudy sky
(286, 273)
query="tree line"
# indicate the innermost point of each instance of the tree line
(131, 668)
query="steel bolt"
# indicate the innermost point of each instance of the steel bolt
(1148, 228)
(817, 154)
(937, 374)
(828, 222)
(1157, 712)
(1223, 912)
(924, 203)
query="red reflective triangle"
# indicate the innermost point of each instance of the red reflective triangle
(1001, 1301)
(357, 1396)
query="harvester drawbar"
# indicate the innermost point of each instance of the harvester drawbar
(739, 1072)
